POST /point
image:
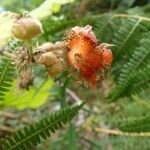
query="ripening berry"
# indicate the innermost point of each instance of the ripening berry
(47, 59)
(51, 62)
(83, 54)
(26, 28)
(106, 54)
(107, 57)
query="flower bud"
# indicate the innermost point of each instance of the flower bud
(26, 28)
(107, 58)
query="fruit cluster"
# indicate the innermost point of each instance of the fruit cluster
(80, 50)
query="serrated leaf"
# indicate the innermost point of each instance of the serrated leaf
(33, 134)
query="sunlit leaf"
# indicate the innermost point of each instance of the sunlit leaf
(6, 23)
(21, 99)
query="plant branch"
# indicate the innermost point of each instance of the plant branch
(118, 132)
(132, 16)
(53, 47)
(124, 16)
(7, 129)
(7, 114)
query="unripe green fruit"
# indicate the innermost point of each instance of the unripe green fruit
(26, 28)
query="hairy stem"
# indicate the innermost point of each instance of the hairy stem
(53, 47)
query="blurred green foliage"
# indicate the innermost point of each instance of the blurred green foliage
(33, 98)
(127, 82)
(20, 5)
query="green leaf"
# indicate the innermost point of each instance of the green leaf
(139, 124)
(35, 97)
(6, 77)
(135, 73)
(35, 133)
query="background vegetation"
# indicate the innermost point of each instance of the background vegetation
(116, 113)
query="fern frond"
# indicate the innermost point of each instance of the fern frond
(121, 28)
(136, 82)
(105, 24)
(34, 133)
(125, 32)
(141, 124)
(123, 36)
(139, 59)
(6, 76)
(134, 75)
(141, 80)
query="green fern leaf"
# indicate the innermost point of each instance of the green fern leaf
(6, 76)
(141, 124)
(122, 37)
(139, 59)
(126, 33)
(138, 81)
(105, 24)
(141, 80)
(134, 75)
(34, 133)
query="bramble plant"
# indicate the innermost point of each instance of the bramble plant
(80, 50)
(111, 54)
